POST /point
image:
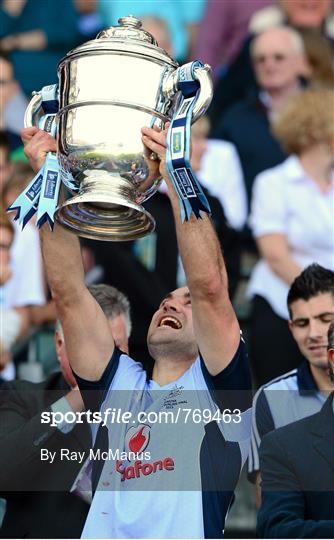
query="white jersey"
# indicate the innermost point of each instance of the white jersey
(167, 476)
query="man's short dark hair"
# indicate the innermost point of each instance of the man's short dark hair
(314, 280)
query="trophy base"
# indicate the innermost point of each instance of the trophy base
(104, 210)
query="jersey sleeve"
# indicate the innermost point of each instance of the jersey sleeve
(231, 388)
(94, 392)
(262, 423)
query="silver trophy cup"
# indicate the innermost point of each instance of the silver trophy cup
(109, 88)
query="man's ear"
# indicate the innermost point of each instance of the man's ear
(58, 342)
(290, 324)
(330, 354)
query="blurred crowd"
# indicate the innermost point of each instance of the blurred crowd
(264, 154)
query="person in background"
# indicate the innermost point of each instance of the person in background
(320, 58)
(297, 465)
(222, 31)
(39, 502)
(89, 19)
(14, 321)
(159, 29)
(26, 241)
(25, 290)
(302, 391)
(292, 222)
(301, 14)
(217, 166)
(13, 103)
(279, 60)
(240, 79)
(6, 164)
(37, 35)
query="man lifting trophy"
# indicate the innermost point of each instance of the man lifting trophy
(123, 120)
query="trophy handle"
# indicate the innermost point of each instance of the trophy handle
(203, 75)
(33, 108)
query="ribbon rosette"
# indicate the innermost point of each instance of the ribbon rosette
(41, 195)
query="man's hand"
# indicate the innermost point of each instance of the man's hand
(75, 400)
(154, 140)
(43, 314)
(5, 273)
(5, 357)
(37, 143)
(14, 9)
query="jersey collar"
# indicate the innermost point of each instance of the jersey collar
(305, 381)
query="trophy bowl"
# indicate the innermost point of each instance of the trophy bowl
(109, 88)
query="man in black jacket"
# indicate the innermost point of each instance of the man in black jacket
(297, 465)
(39, 502)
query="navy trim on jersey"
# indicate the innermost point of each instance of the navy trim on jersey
(264, 424)
(102, 444)
(220, 463)
(231, 388)
(305, 380)
(264, 413)
(263, 421)
(288, 375)
(94, 392)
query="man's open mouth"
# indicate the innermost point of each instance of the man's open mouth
(318, 347)
(172, 322)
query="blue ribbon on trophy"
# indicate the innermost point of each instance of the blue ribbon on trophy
(41, 195)
(189, 190)
(49, 192)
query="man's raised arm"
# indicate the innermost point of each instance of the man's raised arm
(215, 324)
(89, 342)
